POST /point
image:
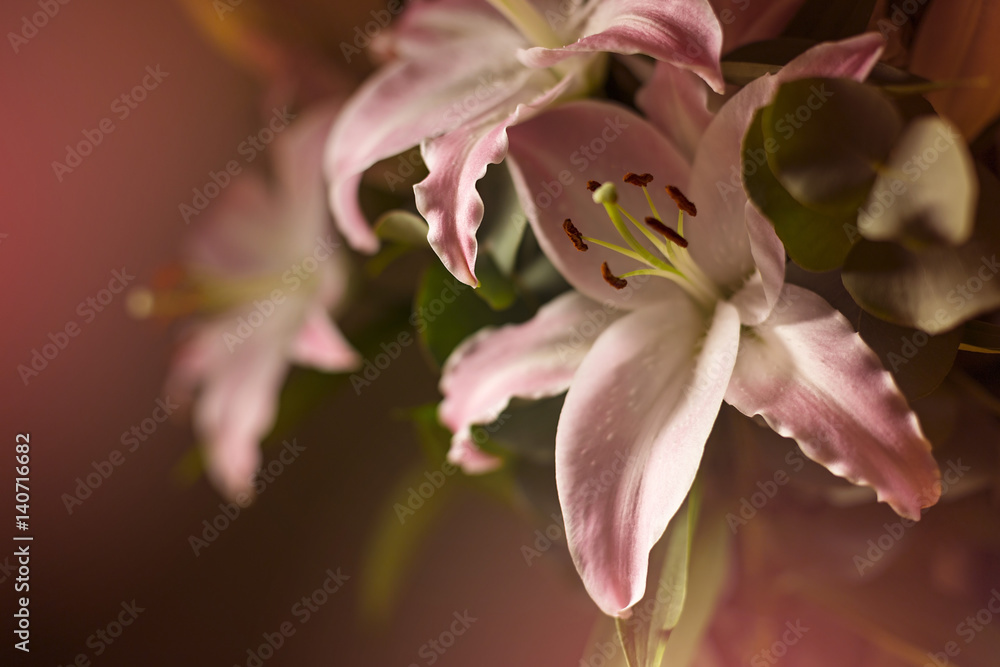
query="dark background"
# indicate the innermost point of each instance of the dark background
(129, 540)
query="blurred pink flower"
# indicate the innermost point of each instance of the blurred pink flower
(466, 70)
(260, 273)
(645, 388)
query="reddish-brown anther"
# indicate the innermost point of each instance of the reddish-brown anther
(574, 235)
(612, 279)
(683, 203)
(666, 232)
(641, 180)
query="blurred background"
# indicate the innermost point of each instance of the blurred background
(127, 529)
(62, 237)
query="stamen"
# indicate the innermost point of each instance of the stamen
(683, 203)
(593, 185)
(640, 180)
(574, 235)
(612, 279)
(666, 232)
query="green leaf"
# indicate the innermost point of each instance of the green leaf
(919, 362)
(504, 223)
(709, 568)
(446, 312)
(398, 535)
(495, 288)
(402, 227)
(814, 240)
(433, 437)
(824, 138)
(645, 634)
(527, 429)
(604, 646)
(305, 389)
(823, 21)
(936, 288)
(926, 193)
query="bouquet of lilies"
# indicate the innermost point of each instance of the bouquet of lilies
(703, 282)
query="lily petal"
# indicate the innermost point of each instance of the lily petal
(744, 22)
(813, 379)
(685, 33)
(321, 344)
(409, 100)
(676, 102)
(448, 198)
(533, 360)
(718, 236)
(235, 410)
(552, 157)
(757, 298)
(631, 436)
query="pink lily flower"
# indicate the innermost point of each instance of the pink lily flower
(261, 273)
(466, 70)
(706, 316)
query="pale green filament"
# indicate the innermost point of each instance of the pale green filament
(607, 195)
(617, 248)
(677, 265)
(652, 206)
(664, 248)
(527, 19)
